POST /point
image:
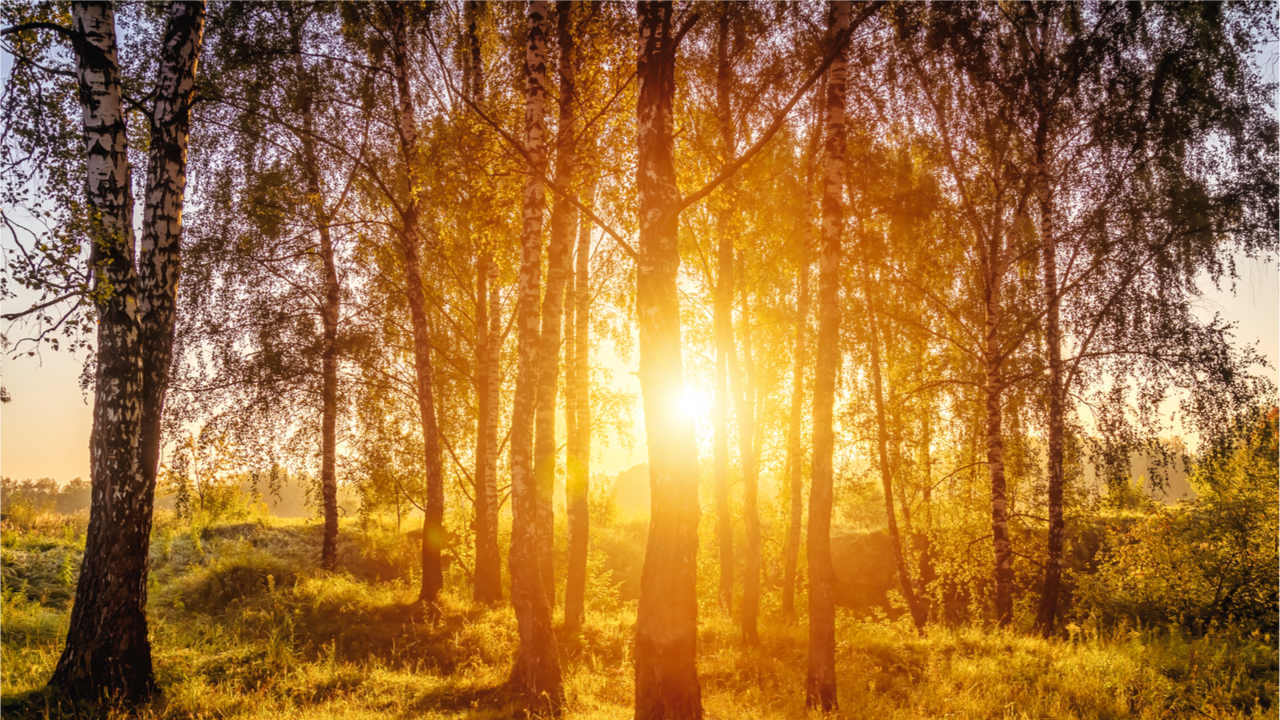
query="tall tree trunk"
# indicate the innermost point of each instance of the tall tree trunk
(667, 617)
(744, 395)
(578, 487)
(886, 472)
(724, 320)
(928, 574)
(329, 312)
(432, 528)
(107, 650)
(1053, 340)
(487, 586)
(795, 462)
(1003, 550)
(558, 268)
(820, 684)
(536, 674)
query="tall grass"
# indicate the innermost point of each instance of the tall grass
(245, 625)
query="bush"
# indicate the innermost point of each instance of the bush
(1206, 563)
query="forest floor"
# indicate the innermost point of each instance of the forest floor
(244, 625)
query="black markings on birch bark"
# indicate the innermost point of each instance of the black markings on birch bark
(536, 674)
(107, 652)
(820, 685)
(1003, 570)
(410, 239)
(488, 563)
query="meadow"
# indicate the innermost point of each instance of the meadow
(246, 625)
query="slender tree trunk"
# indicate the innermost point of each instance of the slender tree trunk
(928, 574)
(886, 472)
(795, 462)
(1053, 339)
(432, 528)
(578, 488)
(107, 652)
(1003, 570)
(820, 684)
(494, 377)
(667, 617)
(744, 394)
(559, 255)
(488, 574)
(724, 321)
(536, 674)
(329, 313)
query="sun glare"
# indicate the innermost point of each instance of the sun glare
(692, 404)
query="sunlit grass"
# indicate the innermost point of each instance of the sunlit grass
(245, 626)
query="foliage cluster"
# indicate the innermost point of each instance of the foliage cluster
(1208, 563)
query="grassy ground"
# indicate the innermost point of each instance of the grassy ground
(245, 626)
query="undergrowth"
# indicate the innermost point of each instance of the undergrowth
(245, 625)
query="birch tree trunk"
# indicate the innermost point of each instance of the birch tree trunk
(667, 617)
(558, 268)
(329, 312)
(1003, 551)
(820, 685)
(744, 396)
(800, 361)
(107, 652)
(925, 459)
(536, 675)
(159, 260)
(578, 488)
(886, 471)
(487, 587)
(407, 130)
(724, 323)
(1048, 609)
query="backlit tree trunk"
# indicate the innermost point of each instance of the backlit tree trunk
(1053, 340)
(795, 462)
(1003, 550)
(558, 268)
(536, 675)
(928, 574)
(488, 573)
(886, 471)
(820, 684)
(107, 650)
(743, 379)
(578, 487)
(724, 323)
(667, 617)
(407, 130)
(329, 315)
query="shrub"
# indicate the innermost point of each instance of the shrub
(1206, 563)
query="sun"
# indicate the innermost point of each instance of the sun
(692, 404)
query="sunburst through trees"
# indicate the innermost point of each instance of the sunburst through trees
(911, 285)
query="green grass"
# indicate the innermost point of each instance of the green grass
(244, 625)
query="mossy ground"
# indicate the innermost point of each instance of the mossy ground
(244, 625)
